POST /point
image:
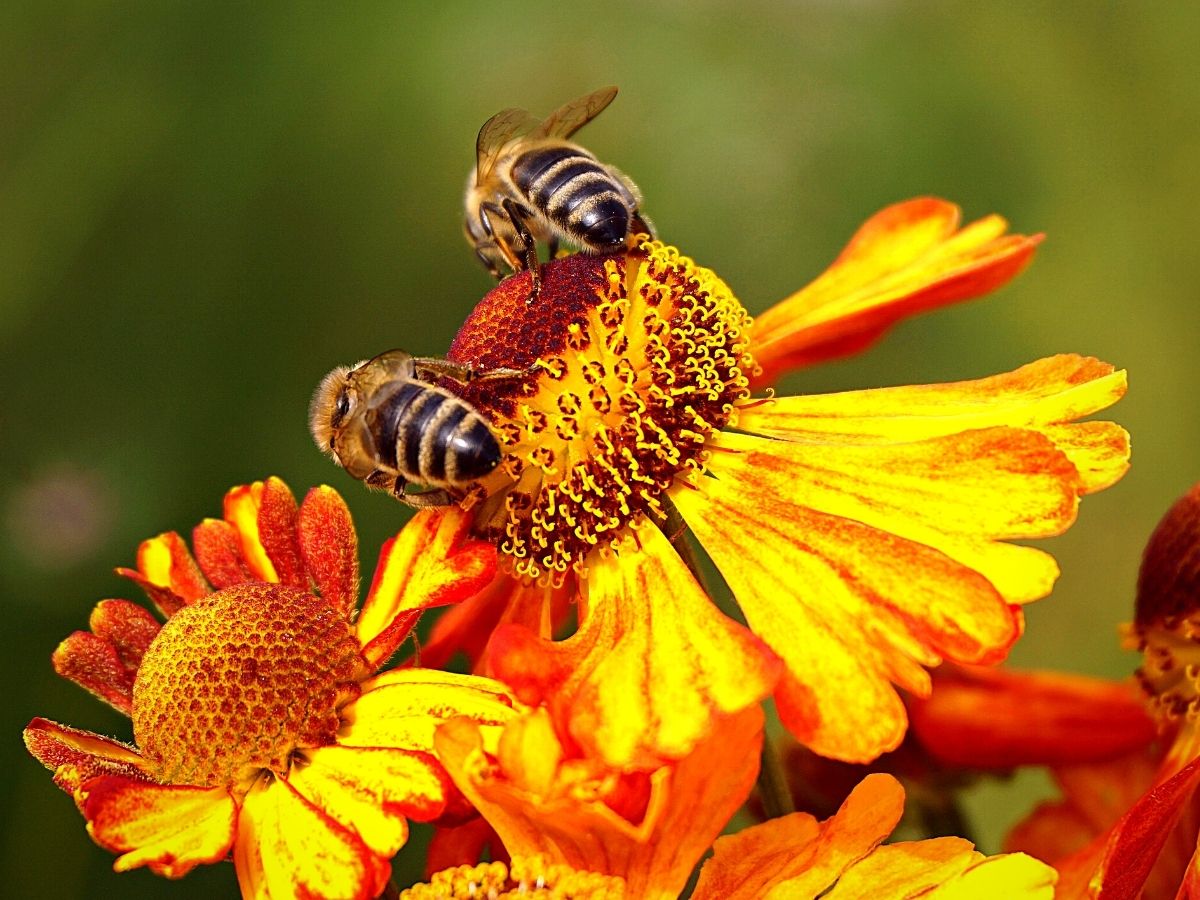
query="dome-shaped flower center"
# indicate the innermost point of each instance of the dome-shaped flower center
(527, 877)
(638, 360)
(239, 680)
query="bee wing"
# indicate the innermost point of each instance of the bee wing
(495, 134)
(570, 117)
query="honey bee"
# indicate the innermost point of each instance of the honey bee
(531, 184)
(388, 426)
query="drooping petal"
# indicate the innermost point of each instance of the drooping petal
(908, 258)
(798, 855)
(653, 666)
(75, 756)
(167, 573)
(572, 824)
(1042, 395)
(94, 664)
(287, 847)
(995, 718)
(432, 562)
(329, 546)
(848, 607)
(169, 828)
(127, 626)
(373, 790)
(402, 708)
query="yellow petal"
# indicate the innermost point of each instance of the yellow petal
(906, 259)
(1013, 876)
(171, 829)
(899, 871)
(286, 847)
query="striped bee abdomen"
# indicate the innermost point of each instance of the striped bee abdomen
(432, 437)
(577, 193)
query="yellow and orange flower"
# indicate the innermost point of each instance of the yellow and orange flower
(570, 823)
(262, 729)
(865, 535)
(1128, 828)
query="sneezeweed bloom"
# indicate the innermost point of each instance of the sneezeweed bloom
(863, 534)
(571, 823)
(263, 729)
(1132, 824)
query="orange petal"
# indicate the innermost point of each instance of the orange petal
(167, 573)
(797, 856)
(277, 531)
(170, 828)
(287, 847)
(995, 718)
(329, 546)
(653, 666)
(432, 562)
(76, 756)
(219, 552)
(848, 607)
(93, 664)
(463, 845)
(909, 868)
(1041, 395)
(402, 708)
(686, 809)
(242, 504)
(908, 258)
(373, 790)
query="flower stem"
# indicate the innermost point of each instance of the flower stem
(676, 531)
(773, 786)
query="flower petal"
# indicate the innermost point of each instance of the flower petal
(329, 546)
(75, 756)
(373, 790)
(94, 664)
(848, 608)
(170, 828)
(653, 666)
(167, 573)
(277, 531)
(432, 562)
(287, 847)
(908, 258)
(218, 549)
(242, 504)
(1041, 395)
(897, 871)
(653, 852)
(994, 718)
(795, 855)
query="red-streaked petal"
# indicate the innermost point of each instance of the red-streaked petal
(432, 562)
(466, 627)
(849, 609)
(373, 790)
(687, 807)
(128, 627)
(94, 664)
(994, 718)
(329, 546)
(170, 828)
(277, 531)
(242, 504)
(908, 258)
(167, 573)
(795, 854)
(403, 707)
(1041, 396)
(653, 665)
(75, 756)
(219, 552)
(287, 847)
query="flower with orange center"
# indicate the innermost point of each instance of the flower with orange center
(566, 818)
(1131, 825)
(263, 729)
(864, 534)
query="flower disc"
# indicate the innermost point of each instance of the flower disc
(237, 681)
(637, 361)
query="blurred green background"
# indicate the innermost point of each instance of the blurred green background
(204, 207)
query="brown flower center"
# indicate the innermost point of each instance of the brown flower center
(639, 359)
(527, 877)
(239, 681)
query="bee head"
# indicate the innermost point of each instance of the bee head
(331, 405)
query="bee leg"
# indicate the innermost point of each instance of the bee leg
(420, 500)
(498, 243)
(444, 368)
(641, 225)
(519, 216)
(552, 247)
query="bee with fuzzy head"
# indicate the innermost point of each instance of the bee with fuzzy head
(531, 184)
(386, 424)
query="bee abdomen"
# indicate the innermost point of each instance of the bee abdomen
(575, 192)
(441, 440)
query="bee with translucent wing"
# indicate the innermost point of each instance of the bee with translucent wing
(530, 184)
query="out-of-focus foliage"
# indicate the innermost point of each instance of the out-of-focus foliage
(204, 207)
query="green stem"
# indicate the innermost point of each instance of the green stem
(773, 783)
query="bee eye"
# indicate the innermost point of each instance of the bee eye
(342, 408)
